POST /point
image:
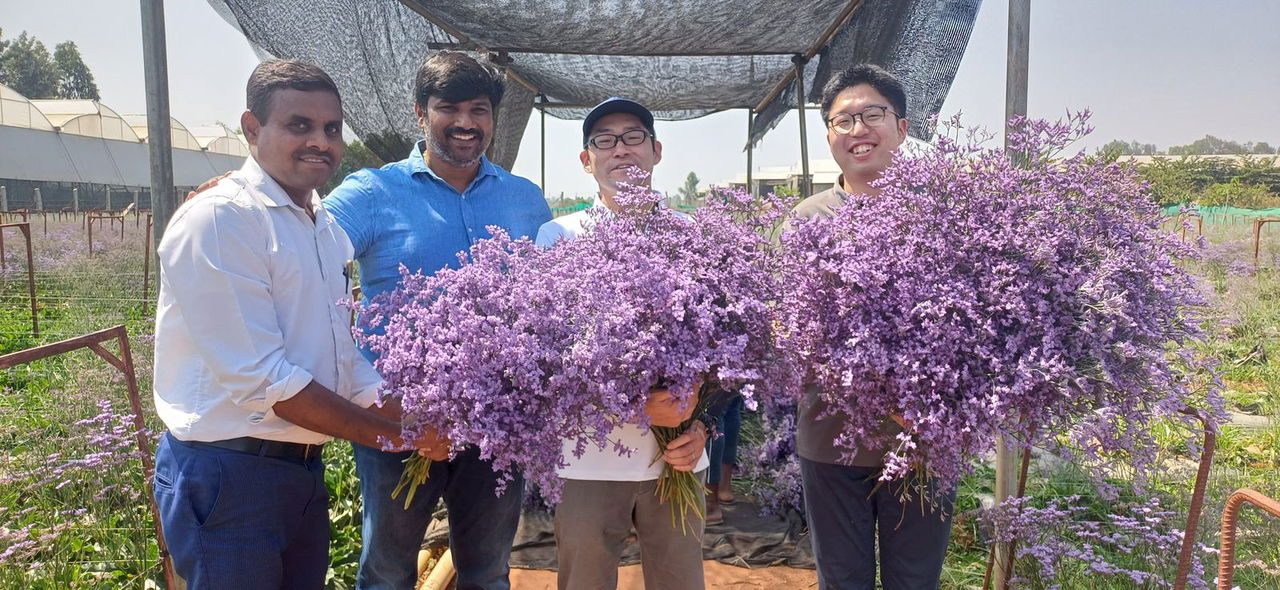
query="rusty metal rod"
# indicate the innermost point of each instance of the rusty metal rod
(1227, 554)
(1197, 497)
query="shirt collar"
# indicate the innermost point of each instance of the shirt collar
(274, 194)
(418, 165)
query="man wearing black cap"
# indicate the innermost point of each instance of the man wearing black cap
(606, 495)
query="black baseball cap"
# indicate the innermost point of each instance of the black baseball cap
(613, 105)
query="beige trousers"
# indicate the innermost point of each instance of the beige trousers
(595, 518)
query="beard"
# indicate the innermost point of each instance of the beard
(438, 145)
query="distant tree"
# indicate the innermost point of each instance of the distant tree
(689, 192)
(1113, 149)
(1207, 145)
(356, 157)
(28, 68)
(1262, 147)
(1116, 148)
(74, 78)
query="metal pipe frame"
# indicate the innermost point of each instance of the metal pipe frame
(25, 228)
(1227, 536)
(123, 362)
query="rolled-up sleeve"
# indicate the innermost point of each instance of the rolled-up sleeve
(366, 384)
(214, 265)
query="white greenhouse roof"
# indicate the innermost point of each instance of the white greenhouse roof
(182, 137)
(86, 117)
(86, 141)
(221, 139)
(17, 111)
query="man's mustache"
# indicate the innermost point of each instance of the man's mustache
(461, 131)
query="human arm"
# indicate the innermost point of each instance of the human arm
(318, 409)
(352, 206)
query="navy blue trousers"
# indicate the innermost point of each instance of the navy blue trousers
(846, 518)
(239, 521)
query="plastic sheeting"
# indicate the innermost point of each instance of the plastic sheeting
(682, 58)
(48, 156)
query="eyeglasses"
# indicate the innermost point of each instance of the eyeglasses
(607, 141)
(872, 116)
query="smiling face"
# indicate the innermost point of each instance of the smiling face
(866, 151)
(300, 143)
(457, 133)
(610, 166)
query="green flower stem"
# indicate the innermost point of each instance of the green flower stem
(416, 471)
(679, 488)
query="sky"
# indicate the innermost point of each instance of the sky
(1158, 71)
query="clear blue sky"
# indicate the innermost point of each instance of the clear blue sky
(1164, 72)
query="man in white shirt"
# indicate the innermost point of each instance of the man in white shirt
(606, 494)
(255, 367)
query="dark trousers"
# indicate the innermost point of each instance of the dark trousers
(723, 449)
(240, 521)
(846, 518)
(482, 525)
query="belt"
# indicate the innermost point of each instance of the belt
(267, 448)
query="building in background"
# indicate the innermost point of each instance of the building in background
(81, 154)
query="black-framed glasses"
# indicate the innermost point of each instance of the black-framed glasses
(872, 116)
(607, 141)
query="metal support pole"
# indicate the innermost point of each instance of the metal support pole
(39, 200)
(806, 184)
(75, 199)
(159, 138)
(1015, 106)
(4, 198)
(542, 98)
(751, 119)
(108, 205)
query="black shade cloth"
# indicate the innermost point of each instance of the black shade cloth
(681, 58)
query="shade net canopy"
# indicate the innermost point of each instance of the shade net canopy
(681, 58)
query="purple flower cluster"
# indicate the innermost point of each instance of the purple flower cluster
(109, 446)
(109, 439)
(981, 295)
(770, 466)
(1139, 545)
(521, 348)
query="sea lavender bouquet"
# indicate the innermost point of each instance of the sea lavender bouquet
(980, 295)
(521, 348)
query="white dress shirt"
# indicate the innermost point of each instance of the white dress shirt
(248, 313)
(605, 464)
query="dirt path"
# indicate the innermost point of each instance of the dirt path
(719, 577)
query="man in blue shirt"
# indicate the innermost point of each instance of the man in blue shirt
(420, 212)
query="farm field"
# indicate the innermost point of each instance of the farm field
(73, 512)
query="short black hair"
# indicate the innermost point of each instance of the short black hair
(878, 77)
(456, 77)
(278, 74)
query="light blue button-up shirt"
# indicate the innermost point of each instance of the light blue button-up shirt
(403, 213)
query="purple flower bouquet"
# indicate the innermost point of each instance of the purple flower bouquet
(522, 348)
(981, 295)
